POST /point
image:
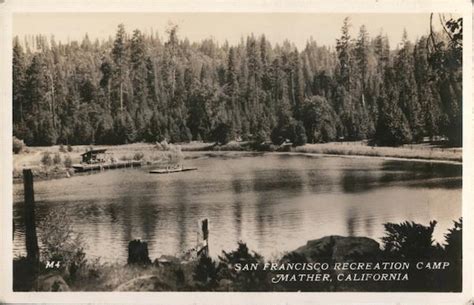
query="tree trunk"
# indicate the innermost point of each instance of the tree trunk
(121, 97)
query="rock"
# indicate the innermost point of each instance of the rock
(167, 260)
(138, 253)
(339, 248)
(52, 282)
(144, 283)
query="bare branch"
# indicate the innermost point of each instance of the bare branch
(443, 25)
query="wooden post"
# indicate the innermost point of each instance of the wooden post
(31, 239)
(205, 236)
(205, 229)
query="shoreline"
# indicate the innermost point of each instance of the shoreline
(407, 159)
(160, 274)
(214, 153)
(186, 151)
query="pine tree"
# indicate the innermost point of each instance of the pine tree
(18, 82)
(343, 54)
(362, 56)
(320, 120)
(428, 97)
(393, 128)
(407, 97)
(120, 56)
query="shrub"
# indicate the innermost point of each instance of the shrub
(18, 145)
(253, 280)
(46, 159)
(126, 158)
(319, 119)
(68, 162)
(60, 242)
(409, 240)
(69, 148)
(62, 149)
(293, 131)
(205, 273)
(222, 133)
(57, 158)
(231, 146)
(138, 156)
(453, 252)
(454, 241)
(180, 277)
(299, 134)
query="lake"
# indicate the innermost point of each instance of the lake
(273, 202)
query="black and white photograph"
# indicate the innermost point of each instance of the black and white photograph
(237, 152)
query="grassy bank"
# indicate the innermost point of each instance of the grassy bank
(63, 158)
(360, 148)
(418, 151)
(32, 157)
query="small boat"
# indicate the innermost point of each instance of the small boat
(172, 170)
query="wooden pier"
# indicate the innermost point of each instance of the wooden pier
(104, 166)
(172, 170)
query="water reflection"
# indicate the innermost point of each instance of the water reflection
(180, 199)
(354, 181)
(283, 180)
(274, 203)
(237, 206)
(369, 225)
(424, 173)
(351, 221)
(410, 174)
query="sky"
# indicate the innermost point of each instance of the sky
(296, 27)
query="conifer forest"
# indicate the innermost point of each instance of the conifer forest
(136, 87)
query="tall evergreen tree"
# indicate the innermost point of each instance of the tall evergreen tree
(407, 96)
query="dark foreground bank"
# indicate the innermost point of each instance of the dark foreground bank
(407, 260)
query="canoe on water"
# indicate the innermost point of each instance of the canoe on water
(172, 170)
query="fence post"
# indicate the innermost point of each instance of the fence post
(205, 236)
(31, 240)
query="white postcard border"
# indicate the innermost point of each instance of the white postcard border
(8, 8)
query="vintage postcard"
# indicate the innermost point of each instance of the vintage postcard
(273, 152)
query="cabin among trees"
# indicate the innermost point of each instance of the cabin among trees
(135, 87)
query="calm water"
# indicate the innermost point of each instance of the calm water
(274, 203)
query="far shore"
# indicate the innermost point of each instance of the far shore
(407, 159)
(156, 155)
(414, 152)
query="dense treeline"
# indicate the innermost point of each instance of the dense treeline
(136, 87)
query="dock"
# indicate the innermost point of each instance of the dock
(172, 170)
(104, 166)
